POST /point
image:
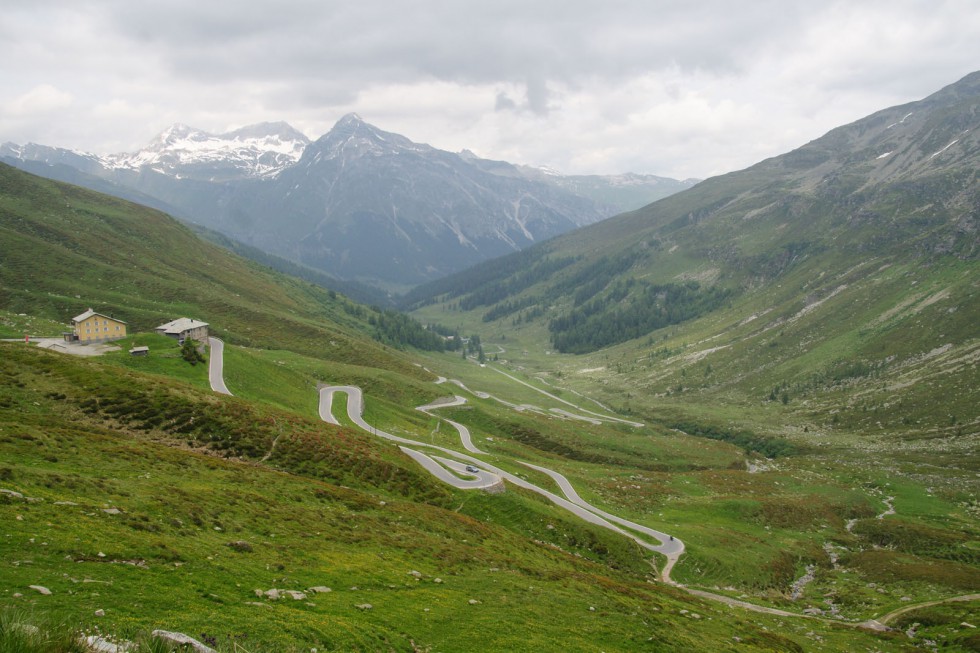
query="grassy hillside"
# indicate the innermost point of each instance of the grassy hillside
(131, 488)
(816, 313)
(837, 276)
(150, 500)
(64, 249)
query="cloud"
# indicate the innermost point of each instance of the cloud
(666, 87)
(40, 99)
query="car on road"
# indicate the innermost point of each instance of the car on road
(471, 469)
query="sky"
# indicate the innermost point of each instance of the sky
(678, 88)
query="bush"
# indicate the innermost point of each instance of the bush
(190, 353)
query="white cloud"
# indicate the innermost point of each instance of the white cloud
(665, 86)
(40, 99)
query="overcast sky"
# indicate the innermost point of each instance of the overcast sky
(681, 88)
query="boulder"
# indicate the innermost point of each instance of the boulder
(43, 590)
(98, 645)
(240, 545)
(180, 639)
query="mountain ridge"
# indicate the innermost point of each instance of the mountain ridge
(392, 212)
(832, 242)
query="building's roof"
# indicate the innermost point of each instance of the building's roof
(89, 313)
(180, 325)
(136, 350)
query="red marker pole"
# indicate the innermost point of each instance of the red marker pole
(27, 338)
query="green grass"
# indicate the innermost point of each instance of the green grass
(310, 516)
(869, 407)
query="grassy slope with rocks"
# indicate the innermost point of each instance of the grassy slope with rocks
(150, 502)
(132, 489)
(848, 346)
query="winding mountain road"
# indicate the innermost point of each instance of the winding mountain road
(487, 476)
(216, 366)
(671, 548)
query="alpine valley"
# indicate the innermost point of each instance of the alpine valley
(743, 417)
(359, 203)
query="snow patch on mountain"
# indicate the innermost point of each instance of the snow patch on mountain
(255, 151)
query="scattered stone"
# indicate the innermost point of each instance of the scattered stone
(473, 601)
(112, 511)
(100, 612)
(259, 593)
(100, 554)
(364, 606)
(320, 589)
(417, 574)
(437, 580)
(383, 503)
(296, 596)
(65, 503)
(240, 545)
(17, 595)
(181, 639)
(967, 625)
(98, 645)
(256, 603)
(272, 594)
(12, 494)
(43, 590)
(591, 608)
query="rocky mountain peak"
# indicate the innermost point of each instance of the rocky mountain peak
(257, 150)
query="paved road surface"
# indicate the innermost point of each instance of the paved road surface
(216, 366)
(464, 433)
(669, 546)
(437, 466)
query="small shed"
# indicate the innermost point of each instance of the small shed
(139, 351)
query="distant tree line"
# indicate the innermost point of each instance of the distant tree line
(399, 330)
(629, 309)
(582, 284)
(488, 282)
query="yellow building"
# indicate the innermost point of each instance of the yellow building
(95, 327)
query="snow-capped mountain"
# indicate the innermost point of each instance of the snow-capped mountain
(181, 151)
(373, 205)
